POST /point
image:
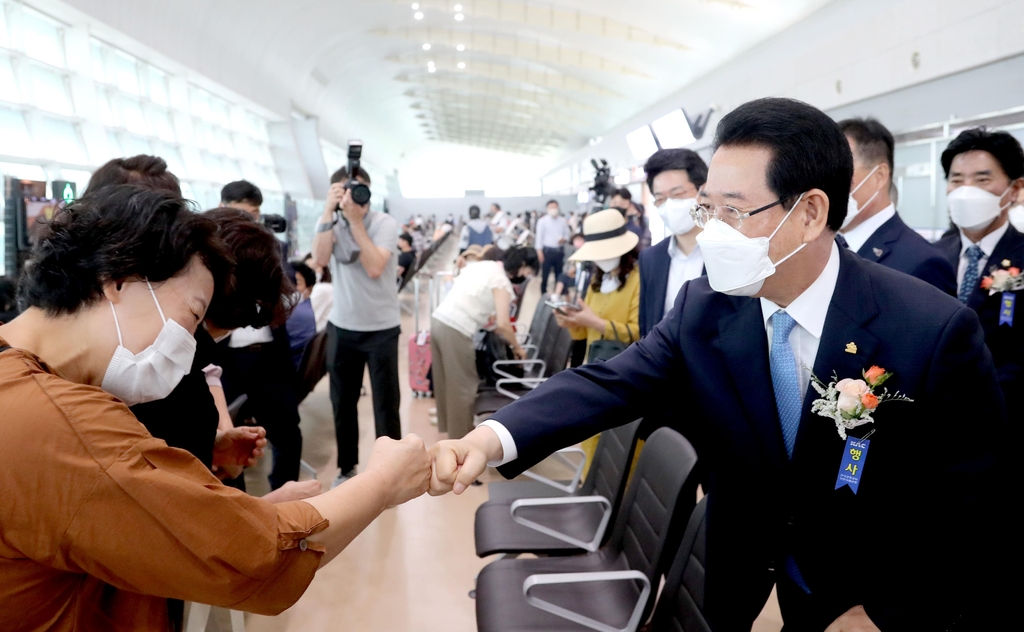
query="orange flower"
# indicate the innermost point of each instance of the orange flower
(872, 374)
(986, 283)
(1014, 271)
(870, 401)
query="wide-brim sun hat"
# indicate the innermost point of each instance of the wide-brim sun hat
(606, 237)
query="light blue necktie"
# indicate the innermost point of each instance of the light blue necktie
(971, 274)
(785, 378)
(786, 381)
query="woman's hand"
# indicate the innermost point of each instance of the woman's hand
(294, 490)
(238, 447)
(404, 467)
(519, 352)
(584, 317)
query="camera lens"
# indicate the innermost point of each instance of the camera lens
(360, 194)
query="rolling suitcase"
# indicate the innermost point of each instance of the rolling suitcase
(419, 351)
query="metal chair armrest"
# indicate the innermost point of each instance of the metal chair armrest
(531, 382)
(523, 363)
(579, 578)
(595, 542)
(561, 454)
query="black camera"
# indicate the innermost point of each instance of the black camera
(603, 186)
(360, 192)
(276, 223)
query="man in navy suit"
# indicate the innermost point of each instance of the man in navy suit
(674, 177)
(901, 552)
(985, 174)
(873, 229)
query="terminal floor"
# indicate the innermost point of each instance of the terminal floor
(412, 569)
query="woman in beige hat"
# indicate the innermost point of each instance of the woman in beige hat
(611, 310)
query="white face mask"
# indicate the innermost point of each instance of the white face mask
(738, 265)
(676, 215)
(972, 208)
(157, 370)
(853, 209)
(607, 265)
(553, 212)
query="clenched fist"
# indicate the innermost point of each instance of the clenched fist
(404, 465)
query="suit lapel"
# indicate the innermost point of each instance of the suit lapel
(660, 286)
(1006, 248)
(743, 340)
(879, 245)
(852, 306)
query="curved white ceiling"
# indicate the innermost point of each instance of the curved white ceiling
(537, 78)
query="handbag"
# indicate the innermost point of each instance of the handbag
(601, 350)
(490, 347)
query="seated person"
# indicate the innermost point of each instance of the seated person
(301, 324)
(407, 256)
(101, 522)
(322, 295)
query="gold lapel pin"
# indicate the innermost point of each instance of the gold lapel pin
(851, 347)
(1006, 263)
(878, 252)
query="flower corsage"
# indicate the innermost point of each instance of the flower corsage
(849, 402)
(1003, 279)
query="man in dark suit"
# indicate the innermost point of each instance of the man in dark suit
(873, 229)
(674, 176)
(781, 297)
(985, 174)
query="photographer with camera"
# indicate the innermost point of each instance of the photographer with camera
(358, 245)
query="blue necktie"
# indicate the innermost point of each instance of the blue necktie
(788, 401)
(785, 378)
(970, 282)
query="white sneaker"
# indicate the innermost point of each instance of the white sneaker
(343, 477)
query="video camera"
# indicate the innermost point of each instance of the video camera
(359, 191)
(276, 223)
(603, 186)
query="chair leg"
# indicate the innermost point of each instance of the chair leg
(198, 615)
(237, 621)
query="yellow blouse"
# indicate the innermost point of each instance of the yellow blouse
(620, 308)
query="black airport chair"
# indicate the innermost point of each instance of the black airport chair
(681, 606)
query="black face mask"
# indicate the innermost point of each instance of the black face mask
(517, 280)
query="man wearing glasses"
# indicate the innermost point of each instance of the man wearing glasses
(780, 297)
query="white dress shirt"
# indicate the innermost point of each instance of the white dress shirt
(683, 268)
(987, 244)
(808, 310)
(552, 232)
(247, 336)
(857, 236)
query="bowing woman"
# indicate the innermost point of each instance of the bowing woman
(101, 523)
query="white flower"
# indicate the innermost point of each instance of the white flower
(855, 388)
(847, 402)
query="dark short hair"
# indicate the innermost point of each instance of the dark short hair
(623, 193)
(325, 272)
(518, 256)
(259, 291)
(341, 175)
(550, 202)
(875, 143)
(474, 212)
(676, 160)
(496, 205)
(304, 271)
(808, 150)
(241, 191)
(407, 238)
(145, 170)
(1002, 145)
(118, 233)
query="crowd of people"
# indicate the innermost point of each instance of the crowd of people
(138, 323)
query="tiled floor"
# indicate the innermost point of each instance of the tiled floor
(412, 569)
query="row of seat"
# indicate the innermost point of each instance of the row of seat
(590, 577)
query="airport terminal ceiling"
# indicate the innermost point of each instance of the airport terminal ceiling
(532, 78)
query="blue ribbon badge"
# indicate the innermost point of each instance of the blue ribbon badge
(851, 469)
(1006, 309)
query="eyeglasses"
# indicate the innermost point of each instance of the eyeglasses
(704, 213)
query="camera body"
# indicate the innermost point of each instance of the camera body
(603, 185)
(276, 223)
(360, 192)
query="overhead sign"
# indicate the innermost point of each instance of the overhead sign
(65, 190)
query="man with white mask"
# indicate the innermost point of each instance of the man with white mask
(674, 176)
(873, 229)
(552, 234)
(782, 302)
(984, 175)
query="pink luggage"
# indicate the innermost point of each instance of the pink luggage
(419, 364)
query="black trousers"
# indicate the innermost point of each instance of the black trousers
(348, 354)
(554, 259)
(266, 373)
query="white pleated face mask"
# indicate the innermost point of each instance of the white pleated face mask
(853, 209)
(153, 373)
(607, 265)
(737, 265)
(677, 215)
(972, 208)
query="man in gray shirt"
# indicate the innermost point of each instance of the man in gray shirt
(552, 233)
(359, 246)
